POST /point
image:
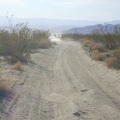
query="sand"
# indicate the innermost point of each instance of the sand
(63, 83)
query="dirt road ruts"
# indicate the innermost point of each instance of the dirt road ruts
(63, 83)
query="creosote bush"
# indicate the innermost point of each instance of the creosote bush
(88, 43)
(17, 44)
(96, 55)
(99, 46)
(40, 39)
(114, 60)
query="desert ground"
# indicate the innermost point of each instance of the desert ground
(64, 83)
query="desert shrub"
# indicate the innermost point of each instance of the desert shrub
(5, 91)
(53, 43)
(96, 55)
(110, 37)
(116, 53)
(40, 39)
(99, 46)
(15, 43)
(88, 43)
(18, 66)
(114, 61)
(74, 36)
(45, 44)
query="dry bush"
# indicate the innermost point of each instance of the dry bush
(88, 43)
(22, 58)
(116, 53)
(114, 61)
(72, 36)
(40, 39)
(99, 46)
(15, 43)
(107, 35)
(18, 66)
(18, 43)
(45, 44)
(96, 55)
(54, 43)
(5, 91)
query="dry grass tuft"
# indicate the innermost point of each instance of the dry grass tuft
(88, 43)
(6, 91)
(111, 62)
(114, 61)
(96, 55)
(18, 66)
(99, 46)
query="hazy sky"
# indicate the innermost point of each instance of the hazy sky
(105, 10)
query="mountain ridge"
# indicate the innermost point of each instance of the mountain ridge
(51, 24)
(90, 29)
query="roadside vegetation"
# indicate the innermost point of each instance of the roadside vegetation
(74, 36)
(18, 66)
(40, 39)
(16, 44)
(101, 45)
(5, 91)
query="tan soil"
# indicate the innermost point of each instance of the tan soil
(63, 83)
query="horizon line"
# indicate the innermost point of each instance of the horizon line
(61, 19)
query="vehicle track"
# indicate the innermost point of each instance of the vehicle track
(64, 83)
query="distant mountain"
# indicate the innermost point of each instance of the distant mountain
(90, 29)
(114, 22)
(51, 24)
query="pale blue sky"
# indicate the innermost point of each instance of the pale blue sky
(100, 10)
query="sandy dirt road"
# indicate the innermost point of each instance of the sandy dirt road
(63, 83)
